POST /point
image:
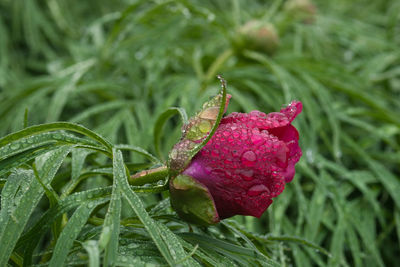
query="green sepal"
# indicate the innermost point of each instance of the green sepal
(198, 131)
(192, 201)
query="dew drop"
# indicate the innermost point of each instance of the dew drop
(173, 154)
(14, 146)
(210, 113)
(205, 126)
(257, 190)
(226, 133)
(281, 155)
(246, 175)
(257, 139)
(215, 153)
(249, 158)
(133, 245)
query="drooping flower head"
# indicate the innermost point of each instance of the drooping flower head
(243, 166)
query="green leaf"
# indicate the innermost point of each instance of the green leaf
(138, 150)
(301, 241)
(40, 140)
(34, 130)
(77, 160)
(92, 249)
(168, 249)
(110, 232)
(14, 221)
(92, 197)
(69, 234)
(241, 254)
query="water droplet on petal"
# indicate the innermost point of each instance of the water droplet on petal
(246, 175)
(249, 158)
(257, 139)
(214, 153)
(257, 190)
(281, 155)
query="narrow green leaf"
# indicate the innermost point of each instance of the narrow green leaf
(301, 241)
(78, 157)
(238, 253)
(110, 232)
(397, 221)
(245, 238)
(6, 165)
(33, 130)
(170, 250)
(99, 108)
(69, 234)
(40, 140)
(93, 197)
(140, 151)
(24, 204)
(92, 249)
(174, 244)
(388, 179)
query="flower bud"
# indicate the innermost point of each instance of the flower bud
(257, 35)
(303, 10)
(244, 165)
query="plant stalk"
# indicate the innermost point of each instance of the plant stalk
(149, 176)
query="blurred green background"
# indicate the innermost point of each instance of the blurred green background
(114, 66)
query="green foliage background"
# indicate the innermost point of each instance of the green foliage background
(115, 66)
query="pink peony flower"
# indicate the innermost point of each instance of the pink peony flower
(248, 160)
(245, 164)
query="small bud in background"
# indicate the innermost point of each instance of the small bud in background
(302, 10)
(257, 35)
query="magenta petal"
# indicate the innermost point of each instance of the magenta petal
(262, 121)
(292, 110)
(290, 136)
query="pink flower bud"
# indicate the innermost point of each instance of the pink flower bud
(244, 165)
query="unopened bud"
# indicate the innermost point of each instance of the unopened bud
(303, 10)
(259, 36)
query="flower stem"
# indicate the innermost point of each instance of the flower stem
(149, 176)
